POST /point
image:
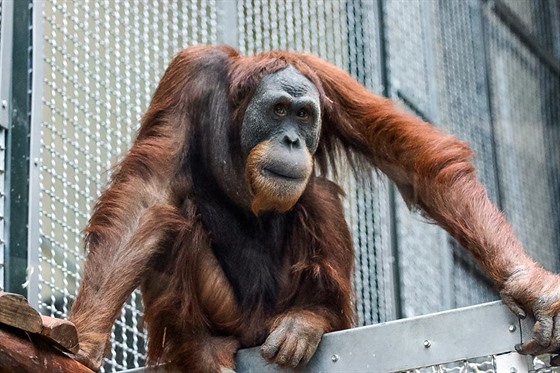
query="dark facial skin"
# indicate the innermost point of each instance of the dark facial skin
(286, 110)
(282, 124)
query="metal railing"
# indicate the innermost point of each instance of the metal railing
(472, 339)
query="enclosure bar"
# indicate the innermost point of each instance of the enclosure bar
(6, 36)
(386, 91)
(516, 26)
(17, 175)
(36, 119)
(427, 20)
(490, 104)
(456, 335)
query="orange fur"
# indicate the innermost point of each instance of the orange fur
(146, 227)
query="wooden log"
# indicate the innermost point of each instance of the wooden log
(63, 333)
(15, 311)
(23, 352)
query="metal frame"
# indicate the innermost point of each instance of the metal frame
(33, 233)
(5, 83)
(516, 26)
(445, 337)
(392, 193)
(488, 81)
(17, 179)
(22, 97)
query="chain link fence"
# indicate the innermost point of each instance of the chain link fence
(456, 63)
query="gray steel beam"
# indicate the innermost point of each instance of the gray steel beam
(455, 335)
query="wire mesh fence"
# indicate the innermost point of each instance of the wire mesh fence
(102, 60)
(526, 139)
(343, 33)
(452, 62)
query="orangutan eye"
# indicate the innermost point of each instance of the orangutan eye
(303, 113)
(280, 110)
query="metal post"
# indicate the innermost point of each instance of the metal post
(6, 36)
(485, 34)
(386, 91)
(17, 175)
(36, 119)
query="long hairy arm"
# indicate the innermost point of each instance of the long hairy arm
(138, 211)
(433, 172)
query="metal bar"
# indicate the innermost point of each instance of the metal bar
(2, 203)
(383, 69)
(6, 35)
(489, 97)
(456, 335)
(427, 21)
(386, 90)
(409, 102)
(517, 27)
(17, 182)
(33, 234)
(466, 333)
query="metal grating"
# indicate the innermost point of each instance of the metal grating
(492, 364)
(485, 364)
(318, 27)
(525, 94)
(102, 60)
